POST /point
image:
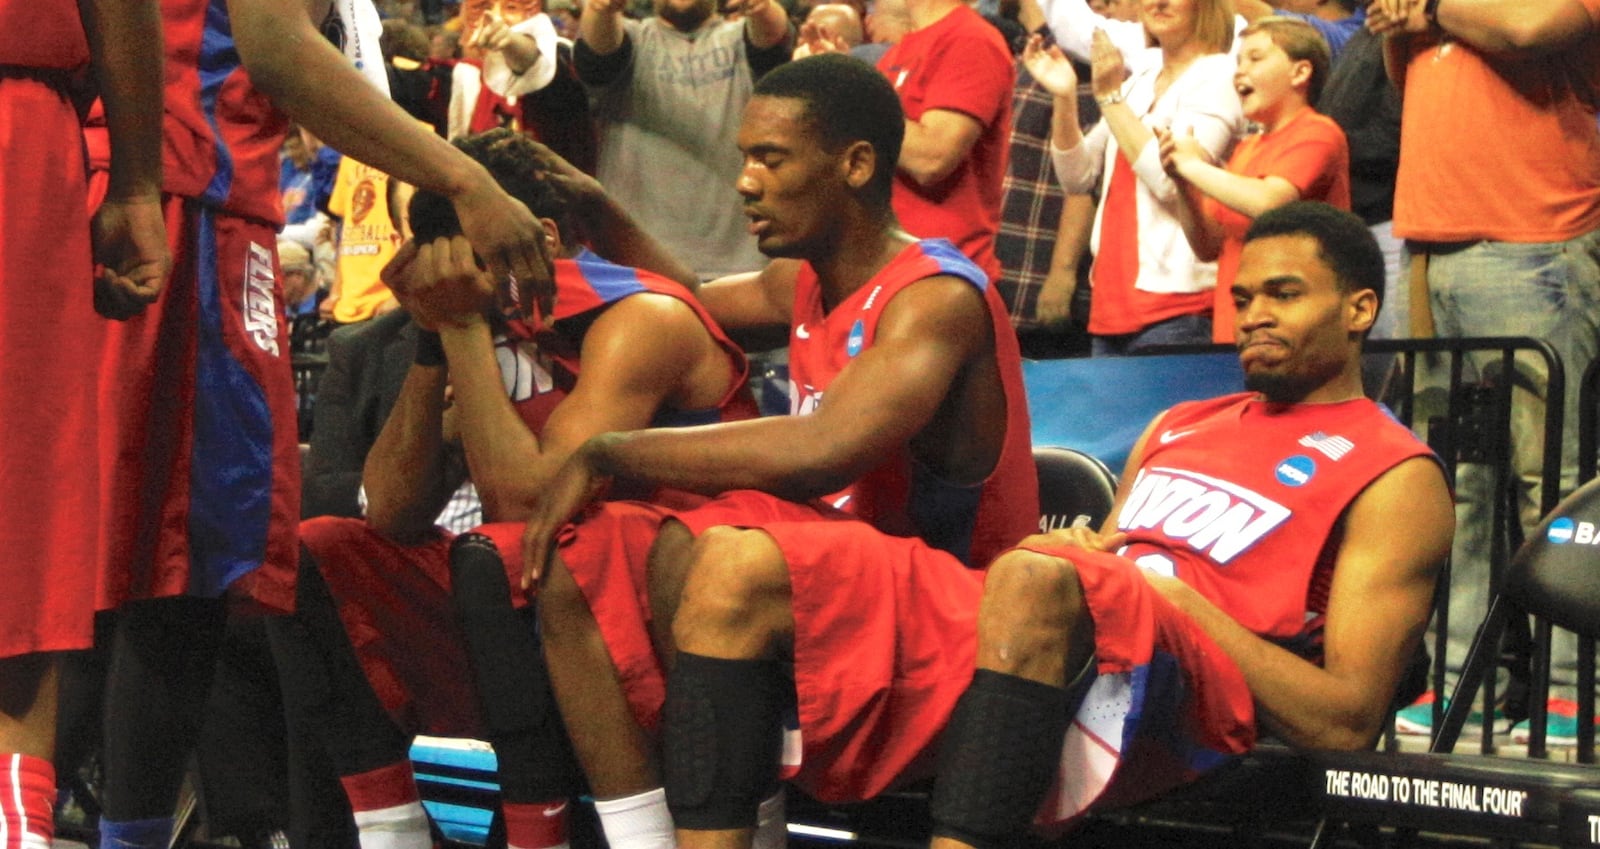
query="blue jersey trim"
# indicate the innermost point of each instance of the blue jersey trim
(230, 475)
(953, 262)
(610, 281)
(219, 59)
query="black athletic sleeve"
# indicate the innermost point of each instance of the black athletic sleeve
(597, 70)
(764, 59)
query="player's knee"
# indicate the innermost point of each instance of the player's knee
(1022, 580)
(673, 548)
(668, 565)
(734, 578)
(562, 605)
(1032, 606)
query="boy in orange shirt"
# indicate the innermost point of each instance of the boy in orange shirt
(1299, 154)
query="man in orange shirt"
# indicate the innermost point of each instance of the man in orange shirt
(1498, 198)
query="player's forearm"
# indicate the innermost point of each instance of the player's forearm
(1295, 699)
(720, 458)
(405, 474)
(503, 455)
(1501, 26)
(309, 79)
(601, 29)
(125, 41)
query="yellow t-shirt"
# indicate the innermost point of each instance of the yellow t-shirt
(367, 239)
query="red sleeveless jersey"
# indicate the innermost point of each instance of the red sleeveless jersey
(220, 136)
(585, 286)
(901, 496)
(42, 34)
(1239, 498)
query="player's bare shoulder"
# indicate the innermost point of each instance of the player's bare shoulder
(943, 307)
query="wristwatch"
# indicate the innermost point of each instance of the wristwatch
(1116, 96)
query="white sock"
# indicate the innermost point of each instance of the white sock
(403, 826)
(772, 828)
(640, 821)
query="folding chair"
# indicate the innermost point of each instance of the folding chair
(1075, 489)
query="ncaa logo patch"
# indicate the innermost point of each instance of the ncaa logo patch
(856, 339)
(1296, 471)
(1561, 530)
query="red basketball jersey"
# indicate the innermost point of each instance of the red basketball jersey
(220, 136)
(901, 496)
(585, 286)
(42, 34)
(1238, 522)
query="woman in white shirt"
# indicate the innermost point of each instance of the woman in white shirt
(1149, 288)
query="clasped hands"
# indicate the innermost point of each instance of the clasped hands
(441, 283)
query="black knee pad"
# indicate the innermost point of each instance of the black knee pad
(502, 642)
(163, 654)
(326, 691)
(520, 715)
(998, 759)
(722, 735)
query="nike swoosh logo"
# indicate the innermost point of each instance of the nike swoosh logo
(1171, 436)
(801, 332)
(556, 811)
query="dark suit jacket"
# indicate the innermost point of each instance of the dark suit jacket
(367, 363)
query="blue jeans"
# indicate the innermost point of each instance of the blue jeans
(1548, 291)
(1394, 317)
(1182, 330)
